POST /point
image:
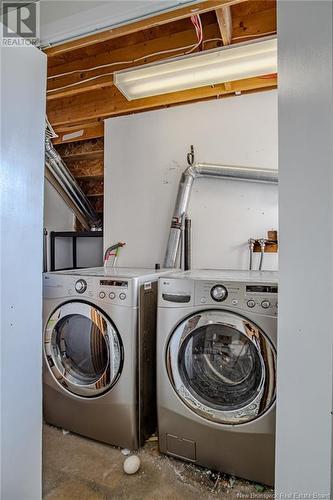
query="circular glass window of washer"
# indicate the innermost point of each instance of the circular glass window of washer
(221, 367)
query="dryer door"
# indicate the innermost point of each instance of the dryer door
(83, 349)
(222, 366)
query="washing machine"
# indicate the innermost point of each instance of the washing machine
(99, 353)
(216, 370)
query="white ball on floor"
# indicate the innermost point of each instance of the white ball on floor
(132, 464)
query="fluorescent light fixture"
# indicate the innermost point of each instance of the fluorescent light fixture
(211, 67)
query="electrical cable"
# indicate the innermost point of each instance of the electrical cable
(199, 32)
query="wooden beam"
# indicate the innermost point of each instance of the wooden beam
(83, 169)
(224, 20)
(85, 155)
(110, 102)
(251, 25)
(79, 150)
(79, 133)
(142, 24)
(99, 83)
(75, 58)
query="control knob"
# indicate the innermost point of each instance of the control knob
(81, 286)
(219, 293)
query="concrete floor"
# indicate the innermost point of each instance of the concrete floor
(75, 468)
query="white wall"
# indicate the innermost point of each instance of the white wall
(23, 84)
(58, 217)
(145, 156)
(304, 406)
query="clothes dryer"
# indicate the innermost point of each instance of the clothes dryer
(99, 353)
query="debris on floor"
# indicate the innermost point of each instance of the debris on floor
(75, 468)
(132, 464)
(125, 451)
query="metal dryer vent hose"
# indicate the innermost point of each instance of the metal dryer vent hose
(60, 172)
(207, 170)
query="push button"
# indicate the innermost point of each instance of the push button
(251, 304)
(122, 296)
(102, 295)
(112, 295)
(265, 304)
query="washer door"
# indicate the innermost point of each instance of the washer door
(83, 349)
(222, 366)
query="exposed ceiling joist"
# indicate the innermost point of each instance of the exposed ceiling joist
(248, 24)
(224, 20)
(79, 132)
(87, 168)
(143, 24)
(184, 38)
(244, 25)
(110, 102)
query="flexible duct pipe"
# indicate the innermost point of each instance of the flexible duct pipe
(183, 196)
(184, 192)
(61, 173)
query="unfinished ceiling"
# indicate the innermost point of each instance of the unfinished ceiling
(78, 102)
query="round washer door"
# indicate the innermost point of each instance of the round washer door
(222, 366)
(83, 349)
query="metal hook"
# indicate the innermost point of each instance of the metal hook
(190, 156)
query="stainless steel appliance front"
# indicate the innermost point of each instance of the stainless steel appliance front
(99, 340)
(216, 370)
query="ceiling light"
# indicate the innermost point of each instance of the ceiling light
(225, 64)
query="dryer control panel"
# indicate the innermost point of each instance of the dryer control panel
(104, 290)
(249, 296)
(246, 296)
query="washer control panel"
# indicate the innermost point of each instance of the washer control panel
(106, 291)
(259, 298)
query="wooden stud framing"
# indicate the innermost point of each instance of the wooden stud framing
(224, 20)
(143, 24)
